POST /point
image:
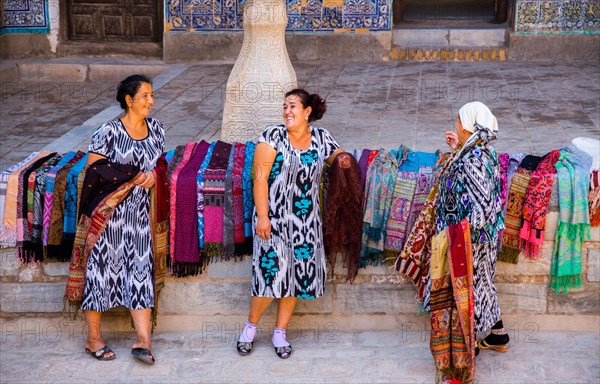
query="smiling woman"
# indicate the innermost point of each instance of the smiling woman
(120, 267)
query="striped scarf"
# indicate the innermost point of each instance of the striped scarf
(572, 173)
(73, 188)
(536, 205)
(514, 211)
(214, 198)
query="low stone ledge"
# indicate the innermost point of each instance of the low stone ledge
(584, 300)
(32, 297)
(375, 298)
(593, 265)
(522, 298)
(52, 72)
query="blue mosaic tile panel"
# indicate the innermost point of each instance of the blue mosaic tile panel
(555, 17)
(25, 16)
(303, 15)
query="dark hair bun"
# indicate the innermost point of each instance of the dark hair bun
(129, 87)
(319, 107)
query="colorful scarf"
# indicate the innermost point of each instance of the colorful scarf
(25, 203)
(72, 190)
(159, 225)
(105, 186)
(238, 200)
(397, 223)
(536, 205)
(363, 165)
(214, 198)
(9, 180)
(55, 247)
(49, 194)
(514, 209)
(452, 316)
(188, 150)
(200, 199)
(227, 250)
(248, 196)
(185, 259)
(594, 199)
(513, 164)
(342, 215)
(503, 161)
(424, 183)
(572, 173)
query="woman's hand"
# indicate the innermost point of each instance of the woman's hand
(147, 181)
(451, 139)
(263, 228)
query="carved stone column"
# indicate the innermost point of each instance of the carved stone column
(261, 75)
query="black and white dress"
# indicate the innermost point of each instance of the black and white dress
(292, 261)
(120, 268)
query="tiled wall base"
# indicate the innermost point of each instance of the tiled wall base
(449, 54)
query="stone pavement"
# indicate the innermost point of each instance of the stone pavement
(326, 356)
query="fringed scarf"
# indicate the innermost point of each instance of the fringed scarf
(186, 154)
(72, 190)
(49, 193)
(238, 199)
(342, 216)
(214, 198)
(8, 233)
(514, 209)
(105, 186)
(159, 225)
(452, 317)
(56, 249)
(572, 173)
(594, 199)
(227, 249)
(200, 200)
(397, 223)
(536, 205)
(185, 259)
(381, 178)
(248, 196)
(25, 204)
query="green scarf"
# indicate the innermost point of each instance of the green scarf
(573, 174)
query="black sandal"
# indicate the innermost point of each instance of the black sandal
(244, 348)
(284, 352)
(143, 354)
(99, 354)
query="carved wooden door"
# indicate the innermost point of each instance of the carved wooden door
(114, 20)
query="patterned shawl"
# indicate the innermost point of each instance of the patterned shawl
(572, 173)
(238, 199)
(397, 223)
(188, 150)
(55, 230)
(200, 200)
(513, 164)
(105, 186)
(9, 181)
(214, 198)
(49, 193)
(342, 216)
(185, 258)
(514, 209)
(536, 206)
(594, 199)
(381, 178)
(227, 250)
(25, 203)
(72, 190)
(159, 225)
(248, 197)
(452, 317)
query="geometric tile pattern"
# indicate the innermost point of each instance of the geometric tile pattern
(25, 16)
(555, 17)
(303, 15)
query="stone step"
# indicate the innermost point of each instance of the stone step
(445, 38)
(448, 54)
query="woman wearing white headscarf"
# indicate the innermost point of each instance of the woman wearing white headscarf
(470, 189)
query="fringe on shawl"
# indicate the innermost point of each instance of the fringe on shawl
(581, 232)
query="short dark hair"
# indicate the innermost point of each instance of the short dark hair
(130, 86)
(316, 102)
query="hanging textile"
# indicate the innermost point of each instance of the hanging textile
(72, 191)
(238, 200)
(594, 198)
(513, 164)
(200, 200)
(536, 205)
(227, 250)
(572, 173)
(248, 196)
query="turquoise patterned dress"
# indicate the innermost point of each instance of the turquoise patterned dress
(292, 261)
